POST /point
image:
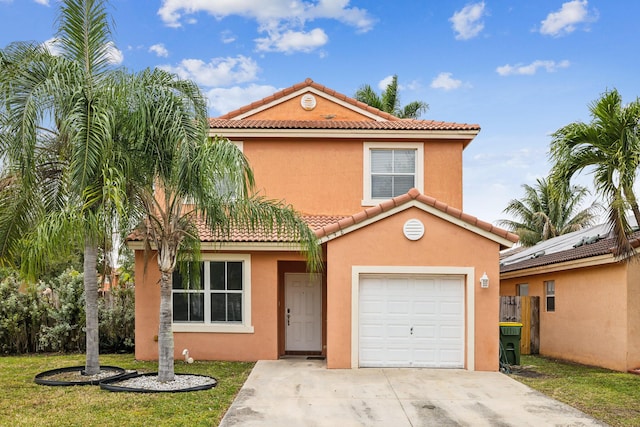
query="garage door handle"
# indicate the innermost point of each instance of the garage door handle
(412, 330)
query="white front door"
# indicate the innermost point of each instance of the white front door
(408, 321)
(303, 312)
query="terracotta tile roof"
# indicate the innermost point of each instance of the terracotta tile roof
(405, 124)
(298, 86)
(324, 225)
(238, 235)
(603, 246)
(413, 194)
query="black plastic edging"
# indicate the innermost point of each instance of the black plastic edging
(110, 384)
(41, 378)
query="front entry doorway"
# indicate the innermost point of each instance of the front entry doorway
(303, 313)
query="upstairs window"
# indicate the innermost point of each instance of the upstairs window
(391, 170)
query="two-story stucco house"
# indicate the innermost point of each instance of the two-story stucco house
(402, 262)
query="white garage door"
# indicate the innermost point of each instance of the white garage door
(411, 321)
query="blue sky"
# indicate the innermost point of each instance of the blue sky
(520, 69)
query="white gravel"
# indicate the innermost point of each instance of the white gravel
(181, 382)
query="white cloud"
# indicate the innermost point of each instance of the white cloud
(223, 100)
(382, 84)
(467, 23)
(283, 21)
(227, 37)
(445, 81)
(412, 85)
(115, 55)
(218, 71)
(530, 69)
(42, 2)
(53, 47)
(160, 50)
(292, 41)
(565, 20)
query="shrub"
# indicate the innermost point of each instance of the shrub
(21, 314)
(117, 319)
(50, 316)
(64, 330)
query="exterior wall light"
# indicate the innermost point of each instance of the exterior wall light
(484, 281)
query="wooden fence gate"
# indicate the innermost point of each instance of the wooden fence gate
(525, 310)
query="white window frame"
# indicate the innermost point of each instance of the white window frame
(244, 327)
(548, 295)
(367, 200)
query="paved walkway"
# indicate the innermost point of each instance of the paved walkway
(300, 392)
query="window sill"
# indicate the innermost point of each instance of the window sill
(372, 202)
(213, 328)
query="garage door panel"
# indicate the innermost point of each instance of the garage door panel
(411, 321)
(425, 307)
(451, 332)
(424, 332)
(397, 331)
(398, 307)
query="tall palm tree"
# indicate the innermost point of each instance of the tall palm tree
(389, 101)
(544, 212)
(609, 147)
(184, 180)
(210, 183)
(71, 95)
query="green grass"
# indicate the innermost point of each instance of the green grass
(25, 403)
(609, 396)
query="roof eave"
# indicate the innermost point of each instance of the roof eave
(234, 133)
(502, 241)
(561, 266)
(138, 245)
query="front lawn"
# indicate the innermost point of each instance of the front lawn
(609, 396)
(25, 403)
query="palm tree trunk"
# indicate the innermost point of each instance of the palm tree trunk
(165, 333)
(633, 202)
(92, 366)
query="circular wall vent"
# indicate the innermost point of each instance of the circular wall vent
(413, 229)
(308, 102)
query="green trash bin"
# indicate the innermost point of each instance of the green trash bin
(510, 333)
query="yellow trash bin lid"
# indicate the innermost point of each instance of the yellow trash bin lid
(510, 324)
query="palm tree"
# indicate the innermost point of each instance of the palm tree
(609, 147)
(389, 101)
(183, 180)
(71, 94)
(210, 183)
(544, 212)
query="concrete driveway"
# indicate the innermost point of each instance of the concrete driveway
(300, 392)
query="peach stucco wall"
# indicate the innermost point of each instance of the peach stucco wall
(383, 244)
(321, 176)
(590, 324)
(262, 344)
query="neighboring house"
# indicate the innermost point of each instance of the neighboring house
(402, 262)
(589, 299)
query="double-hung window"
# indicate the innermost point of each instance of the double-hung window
(218, 299)
(391, 170)
(550, 295)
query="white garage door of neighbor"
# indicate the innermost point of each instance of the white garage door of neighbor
(407, 321)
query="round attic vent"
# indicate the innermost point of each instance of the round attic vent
(308, 102)
(413, 229)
